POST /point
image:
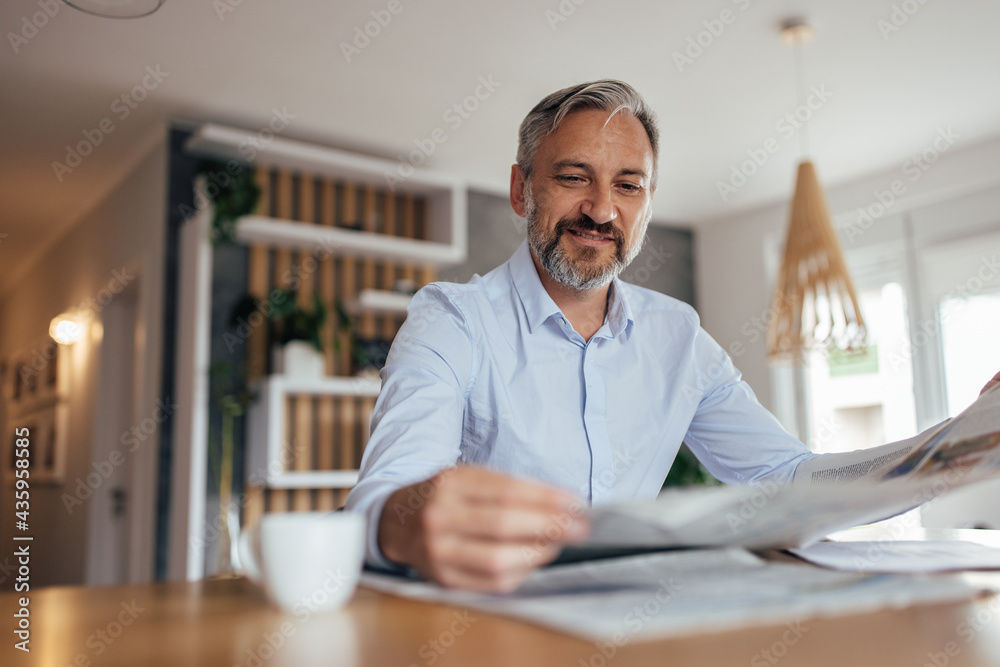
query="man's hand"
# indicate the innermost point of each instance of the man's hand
(992, 383)
(470, 528)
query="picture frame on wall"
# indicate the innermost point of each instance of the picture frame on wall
(36, 378)
(47, 433)
(36, 397)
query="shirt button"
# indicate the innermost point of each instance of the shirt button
(563, 320)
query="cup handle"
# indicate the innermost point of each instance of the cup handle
(248, 556)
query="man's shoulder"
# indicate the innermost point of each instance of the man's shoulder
(487, 287)
(645, 302)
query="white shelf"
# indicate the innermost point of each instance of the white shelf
(314, 479)
(445, 196)
(275, 387)
(266, 429)
(380, 302)
(340, 241)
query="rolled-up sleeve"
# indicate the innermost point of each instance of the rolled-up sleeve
(416, 426)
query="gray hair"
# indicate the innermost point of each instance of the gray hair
(607, 94)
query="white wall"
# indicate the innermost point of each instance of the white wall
(735, 281)
(123, 234)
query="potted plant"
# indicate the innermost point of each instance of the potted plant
(298, 343)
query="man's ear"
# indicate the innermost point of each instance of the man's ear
(517, 183)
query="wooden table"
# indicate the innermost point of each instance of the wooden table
(228, 622)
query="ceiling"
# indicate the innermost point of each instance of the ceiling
(237, 61)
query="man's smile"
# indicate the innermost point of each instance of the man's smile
(592, 237)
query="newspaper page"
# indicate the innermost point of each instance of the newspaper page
(901, 556)
(675, 594)
(969, 443)
(868, 485)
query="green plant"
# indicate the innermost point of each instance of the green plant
(230, 397)
(293, 322)
(687, 470)
(367, 354)
(233, 195)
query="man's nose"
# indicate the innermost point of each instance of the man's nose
(599, 204)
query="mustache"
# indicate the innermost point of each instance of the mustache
(586, 224)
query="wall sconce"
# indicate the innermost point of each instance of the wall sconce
(67, 328)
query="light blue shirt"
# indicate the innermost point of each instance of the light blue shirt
(490, 373)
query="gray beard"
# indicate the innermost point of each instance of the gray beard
(554, 259)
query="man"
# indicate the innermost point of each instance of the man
(510, 402)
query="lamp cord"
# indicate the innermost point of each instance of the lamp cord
(800, 87)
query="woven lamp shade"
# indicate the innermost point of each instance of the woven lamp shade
(813, 266)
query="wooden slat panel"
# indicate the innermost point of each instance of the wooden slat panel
(259, 284)
(303, 444)
(348, 284)
(368, 278)
(368, 330)
(282, 257)
(326, 500)
(304, 274)
(409, 231)
(365, 417)
(389, 325)
(428, 274)
(307, 198)
(328, 202)
(277, 501)
(325, 406)
(420, 230)
(348, 422)
(330, 432)
(254, 508)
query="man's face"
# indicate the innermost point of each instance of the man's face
(589, 200)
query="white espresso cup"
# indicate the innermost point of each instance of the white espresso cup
(305, 560)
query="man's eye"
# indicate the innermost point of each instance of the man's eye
(630, 187)
(570, 178)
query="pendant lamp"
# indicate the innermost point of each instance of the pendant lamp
(814, 304)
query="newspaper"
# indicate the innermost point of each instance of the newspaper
(901, 556)
(625, 600)
(829, 493)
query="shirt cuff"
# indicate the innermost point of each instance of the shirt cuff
(370, 503)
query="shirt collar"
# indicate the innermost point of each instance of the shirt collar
(539, 306)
